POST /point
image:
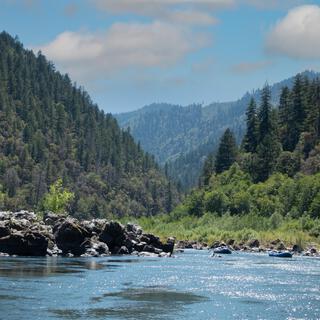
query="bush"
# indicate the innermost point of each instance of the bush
(57, 199)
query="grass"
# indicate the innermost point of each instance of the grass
(211, 227)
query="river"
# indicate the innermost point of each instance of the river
(189, 286)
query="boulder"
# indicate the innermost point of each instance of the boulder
(24, 244)
(168, 247)
(296, 248)
(50, 218)
(24, 214)
(231, 242)
(123, 250)
(19, 224)
(70, 237)
(4, 229)
(281, 246)
(113, 234)
(151, 239)
(134, 228)
(148, 248)
(139, 246)
(313, 251)
(254, 243)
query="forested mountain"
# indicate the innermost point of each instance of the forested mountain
(275, 172)
(183, 137)
(50, 128)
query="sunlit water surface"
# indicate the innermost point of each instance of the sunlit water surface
(190, 286)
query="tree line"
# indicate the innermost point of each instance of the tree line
(51, 129)
(283, 139)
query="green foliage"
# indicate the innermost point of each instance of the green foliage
(227, 152)
(250, 140)
(50, 128)
(57, 199)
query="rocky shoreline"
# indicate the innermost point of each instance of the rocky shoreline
(22, 234)
(253, 246)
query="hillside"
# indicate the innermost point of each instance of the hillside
(51, 129)
(184, 136)
(270, 187)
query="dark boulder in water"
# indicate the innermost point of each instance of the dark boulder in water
(24, 244)
(113, 234)
(70, 236)
(4, 229)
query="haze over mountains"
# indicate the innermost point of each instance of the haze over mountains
(182, 137)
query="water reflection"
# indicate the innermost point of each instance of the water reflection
(144, 303)
(28, 267)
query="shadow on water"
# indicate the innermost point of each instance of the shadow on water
(140, 303)
(45, 267)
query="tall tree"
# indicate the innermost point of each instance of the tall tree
(250, 140)
(227, 152)
(284, 113)
(265, 121)
(269, 147)
(297, 113)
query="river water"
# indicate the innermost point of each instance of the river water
(189, 286)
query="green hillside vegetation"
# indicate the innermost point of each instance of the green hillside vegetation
(268, 189)
(183, 137)
(50, 129)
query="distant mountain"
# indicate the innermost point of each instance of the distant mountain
(182, 137)
(51, 129)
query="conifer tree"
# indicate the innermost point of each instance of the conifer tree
(227, 152)
(284, 113)
(269, 147)
(297, 112)
(265, 122)
(250, 140)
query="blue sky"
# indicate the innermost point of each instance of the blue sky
(130, 53)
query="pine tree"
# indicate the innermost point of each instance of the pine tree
(265, 122)
(284, 113)
(297, 113)
(269, 147)
(250, 140)
(227, 152)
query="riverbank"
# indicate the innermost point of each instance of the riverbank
(301, 235)
(24, 234)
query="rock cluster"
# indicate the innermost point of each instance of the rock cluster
(21, 233)
(252, 245)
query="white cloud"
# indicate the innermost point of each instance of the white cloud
(191, 17)
(273, 4)
(297, 35)
(124, 45)
(249, 67)
(157, 7)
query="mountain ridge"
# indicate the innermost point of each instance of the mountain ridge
(166, 131)
(51, 129)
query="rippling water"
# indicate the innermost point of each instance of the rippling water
(190, 286)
